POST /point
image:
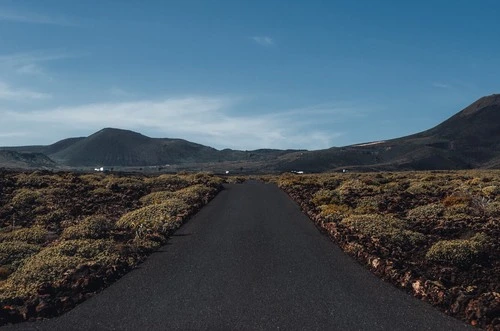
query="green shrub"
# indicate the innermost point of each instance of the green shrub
(14, 252)
(50, 263)
(325, 197)
(25, 198)
(390, 229)
(355, 187)
(192, 195)
(334, 212)
(92, 227)
(427, 212)
(157, 218)
(167, 182)
(123, 183)
(369, 205)
(32, 235)
(157, 197)
(458, 252)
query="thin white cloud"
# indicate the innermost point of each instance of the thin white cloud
(23, 58)
(119, 92)
(31, 63)
(32, 69)
(263, 40)
(441, 85)
(11, 15)
(15, 94)
(205, 120)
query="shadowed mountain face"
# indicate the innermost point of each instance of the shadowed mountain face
(469, 139)
(13, 159)
(127, 148)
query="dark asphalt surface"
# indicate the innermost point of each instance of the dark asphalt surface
(250, 260)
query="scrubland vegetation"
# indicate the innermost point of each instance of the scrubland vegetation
(65, 236)
(435, 234)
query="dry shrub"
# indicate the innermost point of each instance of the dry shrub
(92, 227)
(167, 182)
(355, 187)
(14, 252)
(50, 263)
(457, 198)
(459, 252)
(491, 191)
(117, 184)
(390, 229)
(25, 198)
(334, 212)
(206, 179)
(325, 197)
(156, 218)
(369, 205)
(192, 195)
(428, 212)
(31, 235)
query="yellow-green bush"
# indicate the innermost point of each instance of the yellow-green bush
(157, 217)
(157, 197)
(50, 263)
(31, 235)
(191, 195)
(25, 198)
(491, 191)
(325, 197)
(334, 212)
(368, 205)
(458, 252)
(427, 212)
(355, 187)
(389, 228)
(123, 183)
(92, 227)
(167, 182)
(14, 252)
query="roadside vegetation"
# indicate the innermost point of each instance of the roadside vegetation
(65, 236)
(435, 234)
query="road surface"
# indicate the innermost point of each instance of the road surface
(250, 260)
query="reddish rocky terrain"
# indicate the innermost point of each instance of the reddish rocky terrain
(65, 236)
(434, 234)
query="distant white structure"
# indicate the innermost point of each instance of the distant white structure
(227, 172)
(300, 172)
(99, 169)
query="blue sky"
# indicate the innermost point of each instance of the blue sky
(243, 74)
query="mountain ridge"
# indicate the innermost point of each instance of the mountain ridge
(468, 139)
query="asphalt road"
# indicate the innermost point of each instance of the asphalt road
(250, 260)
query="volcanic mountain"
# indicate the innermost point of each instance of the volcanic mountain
(123, 148)
(469, 139)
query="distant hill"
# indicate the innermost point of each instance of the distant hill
(123, 148)
(13, 159)
(469, 139)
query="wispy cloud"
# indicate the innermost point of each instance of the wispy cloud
(119, 92)
(441, 85)
(14, 94)
(205, 120)
(263, 40)
(31, 63)
(11, 15)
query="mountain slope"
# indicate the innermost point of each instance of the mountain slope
(115, 147)
(469, 139)
(13, 159)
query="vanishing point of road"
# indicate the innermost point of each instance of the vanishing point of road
(250, 260)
